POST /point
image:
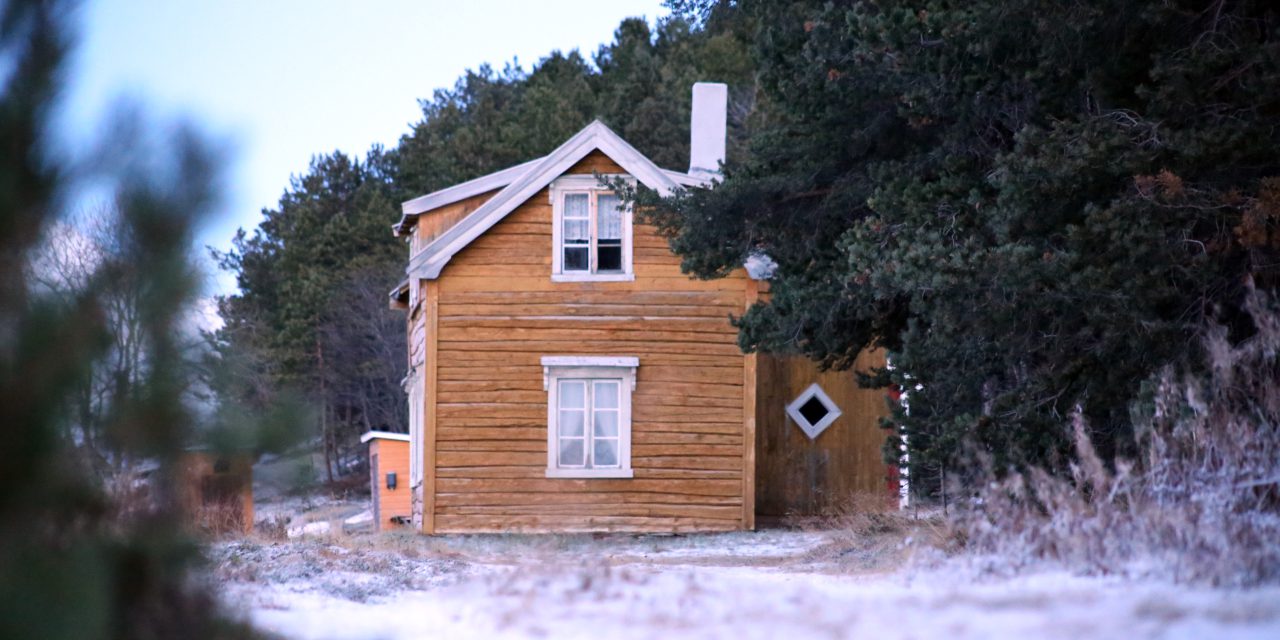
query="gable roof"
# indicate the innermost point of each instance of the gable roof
(523, 182)
(461, 191)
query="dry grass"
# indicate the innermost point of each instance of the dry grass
(870, 534)
(273, 529)
(1201, 505)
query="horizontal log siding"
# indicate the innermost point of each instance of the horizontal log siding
(500, 313)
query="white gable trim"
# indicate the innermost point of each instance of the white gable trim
(460, 191)
(432, 259)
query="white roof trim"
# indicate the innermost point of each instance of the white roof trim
(591, 361)
(461, 191)
(687, 180)
(432, 259)
(384, 435)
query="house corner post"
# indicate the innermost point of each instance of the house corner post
(749, 363)
(430, 418)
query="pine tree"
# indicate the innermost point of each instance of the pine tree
(1032, 205)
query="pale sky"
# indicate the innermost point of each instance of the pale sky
(281, 80)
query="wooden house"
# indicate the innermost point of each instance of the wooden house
(388, 478)
(564, 375)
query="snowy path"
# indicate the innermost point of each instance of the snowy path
(736, 587)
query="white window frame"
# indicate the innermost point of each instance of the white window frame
(590, 185)
(813, 430)
(621, 368)
(415, 389)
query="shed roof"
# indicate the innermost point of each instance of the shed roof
(384, 435)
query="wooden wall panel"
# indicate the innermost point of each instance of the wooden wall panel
(799, 476)
(432, 223)
(393, 456)
(499, 313)
(596, 162)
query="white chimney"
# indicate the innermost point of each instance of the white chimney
(707, 129)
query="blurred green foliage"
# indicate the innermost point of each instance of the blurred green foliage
(77, 558)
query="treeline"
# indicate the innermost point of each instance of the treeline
(311, 319)
(1035, 206)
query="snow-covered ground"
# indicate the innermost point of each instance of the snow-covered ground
(770, 584)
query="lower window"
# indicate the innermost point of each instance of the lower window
(589, 416)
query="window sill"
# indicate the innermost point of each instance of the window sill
(590, 473)
(593, 277)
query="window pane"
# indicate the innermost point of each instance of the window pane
(606, 423)
(608, 258)
(573, 394)
(604, 453)
(575, 206)
(577, 231)
(571, 421)
(575, 258)
(610, 216)
(572, 452)
(606, 394)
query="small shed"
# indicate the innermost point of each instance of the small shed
(217, 490)
(389, 478)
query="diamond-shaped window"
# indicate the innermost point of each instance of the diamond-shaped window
(813, 410)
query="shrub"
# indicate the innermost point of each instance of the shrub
(1200, 504)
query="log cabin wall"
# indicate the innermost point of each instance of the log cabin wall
(499, 313)
(797, 476)
(431, 224)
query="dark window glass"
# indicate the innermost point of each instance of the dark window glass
(609, 255)
(575, 258)
(813, 410)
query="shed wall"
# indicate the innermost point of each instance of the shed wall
(796, 476)
(393, 457)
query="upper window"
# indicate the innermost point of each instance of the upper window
(589, 416)
(592, 232)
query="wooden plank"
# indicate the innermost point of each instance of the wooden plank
(432, 223)
(431, 411)
(535, 282)
(475, 434)
(734, 428)
(496, 446)
(549, 324)
(730, 463)
(679, 437)
(504, 268)
(749, 384)
(538, 472)
(595, 162)
(570, 332)
(667, 449)
(589, 347)
(581, 524)
(610, 486)
(457, 357)
(625, 509)
(461, 299)
(518, 308)
(796, 475)
(513, 501)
